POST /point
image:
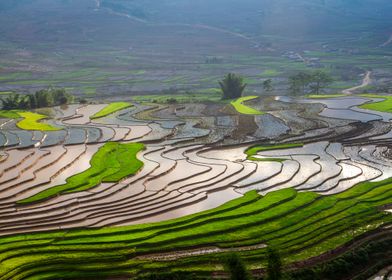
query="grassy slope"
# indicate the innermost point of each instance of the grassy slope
(111, 108)
(385, 105)
(300, 224)
(11, 114)
(112, 162)
(30, 120)
(252, 151)
(243, 109)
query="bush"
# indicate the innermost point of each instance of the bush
(42, 98)
(236, 268)
(232, 86)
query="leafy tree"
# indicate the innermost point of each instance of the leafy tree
(232, 86)
(274, 269)
(299, 82)
(303, 82)
(267, 86)
(320, 80)
(43, 98)
(14, 101)
(236, 268)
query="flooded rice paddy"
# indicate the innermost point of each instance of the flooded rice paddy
(193, 160)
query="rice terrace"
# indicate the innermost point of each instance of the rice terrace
(260, 162)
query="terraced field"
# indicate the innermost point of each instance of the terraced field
(179, 186)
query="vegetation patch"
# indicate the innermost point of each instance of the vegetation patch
(112, 163)
(111, 108)
(40, 99)
(324, 96)
(252, 151)
(298, 224)
(384, 105)
(9, 114)
(31, 122)
(270, 73)
(243, 109)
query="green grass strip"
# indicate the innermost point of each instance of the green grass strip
(111, 108)
(113, 162)
(243, 109)
(385, 105)
(9, 114)
(325, 96)
(301, 224)
(252, 151)
(31, 122)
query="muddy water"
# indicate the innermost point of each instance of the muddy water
(41, 171)
(12, 139)
(54, 138)
(27, 163)
(3, 139)
(182, 171)
(93, 134)
(342, 108)
(350, 115)
(14, 158)
(76, 135)
(25, 137)
(231, 154)
(270, 126)
(72, 163)
(138, 132)
(84, 114)
(214, 200)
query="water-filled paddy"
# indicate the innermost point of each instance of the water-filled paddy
(193, 160)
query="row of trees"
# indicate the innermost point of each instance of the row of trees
(313, 82)
(233, 85)
(233, 265)
(44, 98)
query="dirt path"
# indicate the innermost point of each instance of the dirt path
(365, 82)
(386, 43)
(196, 252)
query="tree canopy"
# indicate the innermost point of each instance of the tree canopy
(232, 86)
(42, 98)
(313, 82)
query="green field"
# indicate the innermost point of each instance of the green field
(243, 109)
(300, 224)
(323, 96)
(252, 151)
(113, 162)
(30, 120)
(385, 105)
(9, 114)
(111, 108)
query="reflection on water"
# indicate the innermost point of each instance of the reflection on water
(214, 200)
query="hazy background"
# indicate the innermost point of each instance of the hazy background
(143, 46)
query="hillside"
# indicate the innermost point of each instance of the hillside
(142, 46)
